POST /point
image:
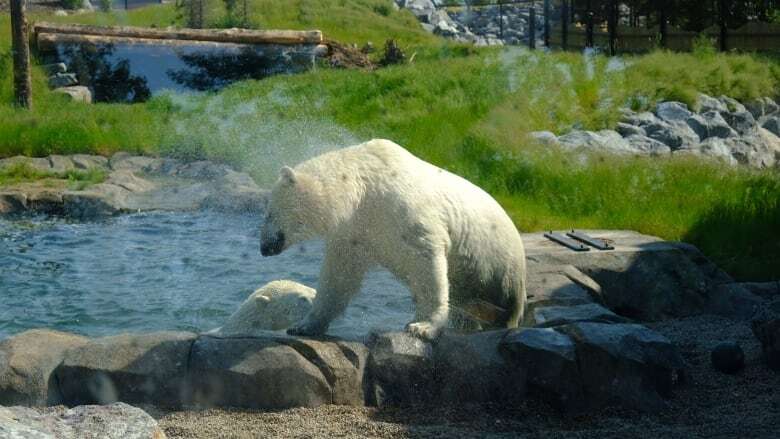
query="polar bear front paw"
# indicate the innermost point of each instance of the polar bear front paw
(307, 329)
(423, 330)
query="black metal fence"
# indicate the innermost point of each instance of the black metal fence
(639, 25)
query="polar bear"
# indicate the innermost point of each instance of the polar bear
(377, 204)
(276, 305)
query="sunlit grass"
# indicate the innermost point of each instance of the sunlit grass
(77, 179)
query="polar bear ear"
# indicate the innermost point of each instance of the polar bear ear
(287, 175)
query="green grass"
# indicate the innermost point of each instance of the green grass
(76, 179)
(465, 109)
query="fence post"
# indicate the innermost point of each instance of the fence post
(125, 5)
(546, 23)
(612, 23)
(588, 25)
(723, 18)
(662, 22)
(20, 47)
(500, 20)
(565, 24)
(532, 28)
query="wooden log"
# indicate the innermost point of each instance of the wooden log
(21, 54)
(239, 36)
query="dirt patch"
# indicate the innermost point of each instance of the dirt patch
(347, 57)
(711, 405)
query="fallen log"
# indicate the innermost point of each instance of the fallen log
(238, 36)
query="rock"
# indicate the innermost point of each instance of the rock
(607, 140)
(76, 93)
(553, 289)
(716, 126)
(625, 364)
(672, 112)
(100, 200)
(772, 124)
(128, 181)
(640, 119)
(12, 203)
(401, 369)
(549, 316)
(236, 192)
(675, 134)
(133, 368)
(40, 164)
(203, 170)
(275, 306)
(627, 130)
(708, 103)
(470, 368)
(544, 137)
(550, 361)
(88, 162)
(728, 357)
(742, 121)
(713, 147)
(765, 290)
(62, 80)
(762, 107)
(27, 361)
(275, 372)
(52, 69)
(46, 201)
(643, 277)
(645, 145)
(61, 164)
(766, 328)
(734, 301)
(759, 149)
(731, 105)
(115, 421)
(123, 161)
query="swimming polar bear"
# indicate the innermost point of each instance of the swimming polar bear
(276, 305)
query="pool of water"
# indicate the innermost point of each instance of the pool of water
(161, 271)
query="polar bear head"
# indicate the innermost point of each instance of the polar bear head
(277, 305)
(294, 212)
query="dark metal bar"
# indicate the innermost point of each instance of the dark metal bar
(595, 242)
(662, 22)
(566, 242)
(565, 24)
(612, 23)
(723, 18)
(501, 20)
(546, 23)
(532, 28)
(20, 52)
(588, 25)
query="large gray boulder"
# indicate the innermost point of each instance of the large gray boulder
(766, 327)
(470, 368)
(742, 121)
(40, 164)
(708, 103)
(672, 111)
(713, 148)
(115, 421)
(275, 372)
(27, 361)
(627, 130)
(549, 316)
(761, 107)
(674, 134)
(100, 200)
(625, 364)
(401, 369)
(605, 140)
(642, 144)
(133, 368)
(772, 124)
(710, 124)
(644, 277)
(88, 162)
(549, 358)
(758, 149)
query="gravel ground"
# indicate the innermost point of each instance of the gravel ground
(712, 405)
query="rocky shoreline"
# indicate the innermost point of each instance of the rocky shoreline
(132, 184)
(584, 348)
(722, 128)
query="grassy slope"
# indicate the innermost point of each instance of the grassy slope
(465, 110)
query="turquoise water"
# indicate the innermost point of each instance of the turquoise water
(161, 271)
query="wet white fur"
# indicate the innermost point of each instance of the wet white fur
(376, 203)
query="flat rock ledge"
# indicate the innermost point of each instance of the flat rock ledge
(721, 128)
(133, 184)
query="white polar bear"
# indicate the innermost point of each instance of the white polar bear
(276, 305)
(376, 203)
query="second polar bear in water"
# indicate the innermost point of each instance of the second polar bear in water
(376, 203)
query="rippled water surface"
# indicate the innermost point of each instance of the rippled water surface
(155, 271)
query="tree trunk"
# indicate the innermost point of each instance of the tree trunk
(20, 47)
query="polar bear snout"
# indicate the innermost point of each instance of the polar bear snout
(272, 244)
